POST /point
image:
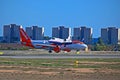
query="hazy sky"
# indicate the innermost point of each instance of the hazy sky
(53, 13)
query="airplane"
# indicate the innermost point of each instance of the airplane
(55, 44)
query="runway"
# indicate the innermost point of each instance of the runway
(60, 56)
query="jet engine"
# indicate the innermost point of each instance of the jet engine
(57, 49)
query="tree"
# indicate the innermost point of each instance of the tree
(99, 46)
(100, 41)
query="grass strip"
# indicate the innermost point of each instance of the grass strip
(62, 63)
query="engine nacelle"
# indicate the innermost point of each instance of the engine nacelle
(57, 49)
(68, 50)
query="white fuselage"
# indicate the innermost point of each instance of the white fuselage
(74, 46)
(71, 46)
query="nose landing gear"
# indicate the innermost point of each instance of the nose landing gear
(86, 49)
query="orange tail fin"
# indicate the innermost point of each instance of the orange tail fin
(24, 38)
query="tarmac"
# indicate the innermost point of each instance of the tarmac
(36, 53)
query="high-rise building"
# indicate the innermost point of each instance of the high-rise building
(110, 35)
(11, 33)
(35, 32)
(83, 34)
(61, 32)
(104, 35)
(83, 28)
(77, 34)
(55, 32)
(7, 33)
(29, 32)
(39, 33)
(88, 35)
(64, 33)
(15, 34)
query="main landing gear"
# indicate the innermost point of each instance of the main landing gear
(50, 51)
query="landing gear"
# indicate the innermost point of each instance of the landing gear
(86, 49)
(50, 51)
(77, 52)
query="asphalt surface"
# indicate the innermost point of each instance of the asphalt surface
(54, 56)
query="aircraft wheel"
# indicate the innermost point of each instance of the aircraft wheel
(50, 51)
(77, 52)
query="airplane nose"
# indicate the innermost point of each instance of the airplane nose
(85, 46)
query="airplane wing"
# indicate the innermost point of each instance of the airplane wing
(50, 47)
(46, 45)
